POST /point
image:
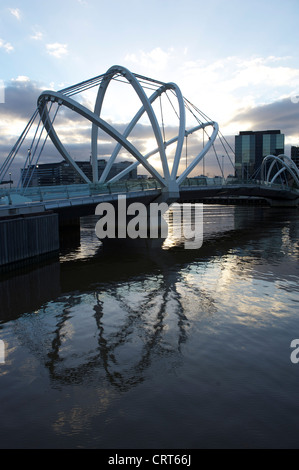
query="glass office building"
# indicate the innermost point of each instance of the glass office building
(295, 155)
(252, 146)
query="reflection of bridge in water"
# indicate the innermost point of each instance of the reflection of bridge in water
(39, 211)
(109, 318)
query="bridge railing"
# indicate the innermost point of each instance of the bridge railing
(45, 193)
(218, 181)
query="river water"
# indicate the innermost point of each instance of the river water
(157, 347)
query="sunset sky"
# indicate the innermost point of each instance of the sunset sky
(236, 61)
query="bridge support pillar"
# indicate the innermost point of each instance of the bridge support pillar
(169, 194)
(28, 237)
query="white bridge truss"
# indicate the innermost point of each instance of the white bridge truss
(168, 178)
(280, 169)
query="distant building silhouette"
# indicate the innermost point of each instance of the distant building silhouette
(62, 173)
(252, 146)
(295, 155)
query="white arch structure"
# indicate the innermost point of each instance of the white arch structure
(170, 180)
(278, 165)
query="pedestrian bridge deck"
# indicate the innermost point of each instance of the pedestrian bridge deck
(86, 196)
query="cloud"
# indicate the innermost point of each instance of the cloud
(16, 13)
(37, 36)
(156, 59)
(57, 49)
(221, 88)
(21, 79)
(20, 99)
(6, 46)
(282, 114)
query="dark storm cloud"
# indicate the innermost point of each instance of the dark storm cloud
(282, 115)
(20, 99)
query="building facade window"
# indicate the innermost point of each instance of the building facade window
(295, 155)
(251, 147)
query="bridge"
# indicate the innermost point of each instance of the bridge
(168, 163)
(80, 200)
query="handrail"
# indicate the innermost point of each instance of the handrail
(44, 193)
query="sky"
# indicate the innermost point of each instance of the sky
(236, 61)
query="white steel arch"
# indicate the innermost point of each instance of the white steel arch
(170, 181)
(285, 165)
(136, 118)
(146, 105)
(84, 112)
(169, 142)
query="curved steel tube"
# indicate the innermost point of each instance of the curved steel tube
(169, 180)
(84, 112)
(286, 163)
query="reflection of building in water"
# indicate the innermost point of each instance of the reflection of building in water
(62, 173)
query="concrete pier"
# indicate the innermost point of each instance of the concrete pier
(27, 237)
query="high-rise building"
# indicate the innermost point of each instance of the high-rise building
(252, 146)
(295, 155)
(62, 173)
